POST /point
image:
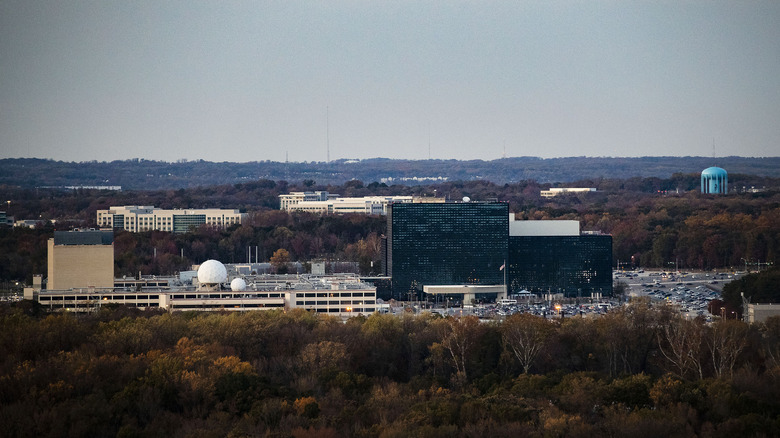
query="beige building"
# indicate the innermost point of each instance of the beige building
(81, 259)
(138, 218)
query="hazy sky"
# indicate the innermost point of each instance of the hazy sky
(255, 80)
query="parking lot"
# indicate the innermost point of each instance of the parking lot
(692, 291)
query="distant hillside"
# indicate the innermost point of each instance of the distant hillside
(139, 174)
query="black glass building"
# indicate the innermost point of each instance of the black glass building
(445, 244)
(572, 265)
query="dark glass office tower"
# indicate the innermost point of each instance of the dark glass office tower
(572, 265)
(446, 244)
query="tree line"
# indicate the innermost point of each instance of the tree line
(639, 371)
(140, 174)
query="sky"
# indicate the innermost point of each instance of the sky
(316, 80)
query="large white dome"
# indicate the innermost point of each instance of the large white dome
(212, 272)
(238, 284)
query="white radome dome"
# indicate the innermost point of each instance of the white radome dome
(212, 272)
(238, 284)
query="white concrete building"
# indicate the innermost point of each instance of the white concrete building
(563, 190)
(325, 203)
(342, 296)
(288, 201)
(138, 218)
(468, 292)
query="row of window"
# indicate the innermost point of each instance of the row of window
(93, 305)
(225, 296)
(334, 303)
(211, 306)
(347, 310)
(336, 294)
(96, 298)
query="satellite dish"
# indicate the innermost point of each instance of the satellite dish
(466, 199)
(238, 284)
(212, 272)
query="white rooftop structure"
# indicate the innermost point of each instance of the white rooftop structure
(543, 228)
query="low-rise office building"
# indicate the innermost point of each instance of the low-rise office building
(137, 218)
(761, 312)
(342, 296)
(327, 203)
(288, 201)
(565, 190)
(6, 220)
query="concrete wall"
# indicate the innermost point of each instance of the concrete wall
(80, 266)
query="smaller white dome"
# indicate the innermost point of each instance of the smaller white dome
(238, 284)
(212, 272)
(466, 199)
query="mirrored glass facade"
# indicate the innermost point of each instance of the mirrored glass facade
(572, 265)
(446, 244)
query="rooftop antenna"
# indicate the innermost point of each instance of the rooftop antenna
(429, 139)
(327, 132)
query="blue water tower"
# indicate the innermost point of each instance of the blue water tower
(714, 180)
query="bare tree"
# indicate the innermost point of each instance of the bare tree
(680, 343)
(770, 341)
(725, 342)
(525, 335)
(460, 341)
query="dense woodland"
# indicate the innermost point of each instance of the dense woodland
(639, 371)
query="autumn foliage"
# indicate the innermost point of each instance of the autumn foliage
(122, 372)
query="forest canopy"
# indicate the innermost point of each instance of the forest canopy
(640, 371)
